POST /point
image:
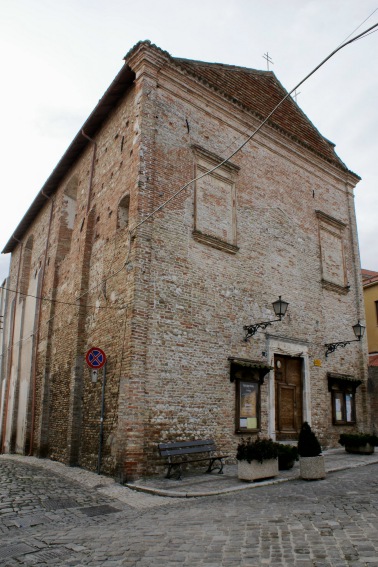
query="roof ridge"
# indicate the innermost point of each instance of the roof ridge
(125, 77)
(146, 43)
(272, 123)
(226, 66)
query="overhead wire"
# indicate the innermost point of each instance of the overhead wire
(222, 162)
(367, 35)
(25, 339)
(101, 283)
(241, 146)
(43, 298)
(358, 27)
(364, 34)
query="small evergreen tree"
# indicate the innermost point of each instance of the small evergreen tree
(308, 444)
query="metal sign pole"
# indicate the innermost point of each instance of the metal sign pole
(101, 419)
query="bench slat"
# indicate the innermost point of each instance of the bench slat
(181, 449)
(186, 451)
(195, 443)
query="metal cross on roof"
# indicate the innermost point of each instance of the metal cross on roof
(295, 95)
(268, 59)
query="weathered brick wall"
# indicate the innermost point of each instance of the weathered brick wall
(201, 296)
(25, 272)
(168, 306)
(84, 248)
(98, 250)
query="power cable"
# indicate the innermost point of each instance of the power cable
(371, 33)
(237, 150)
(360, 36)
(55, 300)
(358, 27)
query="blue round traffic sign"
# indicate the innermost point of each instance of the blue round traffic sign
(95, 358)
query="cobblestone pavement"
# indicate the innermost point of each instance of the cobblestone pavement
(49, 519)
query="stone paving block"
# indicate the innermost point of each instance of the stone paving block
(243, 529)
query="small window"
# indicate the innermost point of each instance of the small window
(26, 268)
(215, 202)
(343, 391)
(343, 407)
(123, 212)
(332, 253)
(67, 217)
(376, 311)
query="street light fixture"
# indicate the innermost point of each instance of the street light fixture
(359, 331)
(279, 306)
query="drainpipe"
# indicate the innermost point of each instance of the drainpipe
(92, 167)
(358, 291)
(10, 362)
(37, 329)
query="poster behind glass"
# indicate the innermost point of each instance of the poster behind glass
(338, 407)
(348, 407)
(248, 405)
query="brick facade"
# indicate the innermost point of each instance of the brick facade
(167, 301)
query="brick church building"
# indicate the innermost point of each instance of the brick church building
(164, 273)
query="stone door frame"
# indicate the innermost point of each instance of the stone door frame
(294, 348)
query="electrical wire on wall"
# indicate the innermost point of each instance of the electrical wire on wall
(133, 229)
(42, 298)
(131, 232)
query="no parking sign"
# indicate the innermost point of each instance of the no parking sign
(95, 358)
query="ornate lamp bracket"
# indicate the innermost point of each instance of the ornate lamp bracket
(331, 347)
(280, 306)
(358, 330)
(252, 329)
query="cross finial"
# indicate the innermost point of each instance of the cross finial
(268, 59)
(295, 94)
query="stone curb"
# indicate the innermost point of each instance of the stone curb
(174, 494)
(92, 480)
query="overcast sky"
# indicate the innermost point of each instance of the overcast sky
(58, 58)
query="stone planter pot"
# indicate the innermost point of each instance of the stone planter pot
(255, 470)
(366, 449)
(312, 468)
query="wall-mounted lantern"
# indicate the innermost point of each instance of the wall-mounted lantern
(359, 331)
(279, 306)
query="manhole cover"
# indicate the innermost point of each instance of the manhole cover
(59, 503)
(99, 510)
(46, 555)
(14, 550)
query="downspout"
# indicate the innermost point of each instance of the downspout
(357, 285)
(37, 328)
(354, 249)
(92, 167)
(10, 362)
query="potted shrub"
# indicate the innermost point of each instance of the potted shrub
(362, 443)
(287, 455)
(257, 459)
(311, 461)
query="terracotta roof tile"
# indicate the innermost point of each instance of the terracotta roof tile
(368, 277)
(260, 92)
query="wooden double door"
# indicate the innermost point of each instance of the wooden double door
(289, 395)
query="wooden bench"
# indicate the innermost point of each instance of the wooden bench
(178, 453)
